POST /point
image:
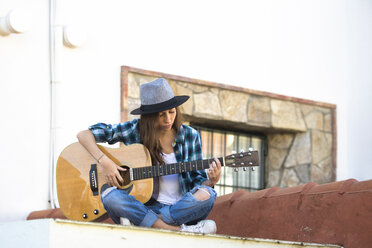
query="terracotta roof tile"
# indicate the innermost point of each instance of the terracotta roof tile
(334, 213)
(337, 187)
(360, 186)
(337, 213)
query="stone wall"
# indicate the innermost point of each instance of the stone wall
(301, 134)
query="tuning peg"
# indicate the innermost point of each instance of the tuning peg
(242, 150)
(244, 168)
(250, 149)
(252, 168)
(236, 169)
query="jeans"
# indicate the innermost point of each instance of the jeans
(119, 203)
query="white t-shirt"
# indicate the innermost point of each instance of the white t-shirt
(169, 187)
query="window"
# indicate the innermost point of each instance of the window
(219, 143)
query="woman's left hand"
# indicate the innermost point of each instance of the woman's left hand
(214, 171)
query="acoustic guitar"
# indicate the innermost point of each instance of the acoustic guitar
(80, 179)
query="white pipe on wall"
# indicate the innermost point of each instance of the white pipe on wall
(55, 47)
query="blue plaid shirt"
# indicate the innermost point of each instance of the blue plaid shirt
(187, 146)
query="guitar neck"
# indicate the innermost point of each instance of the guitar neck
(169, 169)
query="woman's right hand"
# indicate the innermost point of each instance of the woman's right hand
(111, 171)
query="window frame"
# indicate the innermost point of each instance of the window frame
(237, 133)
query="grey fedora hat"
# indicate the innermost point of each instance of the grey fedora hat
(157, 96)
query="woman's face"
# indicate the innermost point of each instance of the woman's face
(166, 119)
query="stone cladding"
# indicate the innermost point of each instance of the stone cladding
(301, 134)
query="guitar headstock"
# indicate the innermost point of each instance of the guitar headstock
(242, 159)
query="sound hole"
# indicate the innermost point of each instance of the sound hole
(125, 175)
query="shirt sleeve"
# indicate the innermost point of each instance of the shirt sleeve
(126, 132)
(198, 177)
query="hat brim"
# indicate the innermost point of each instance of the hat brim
(155, 108)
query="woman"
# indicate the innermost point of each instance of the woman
(183, 198)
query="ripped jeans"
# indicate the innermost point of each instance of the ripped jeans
(119, 203)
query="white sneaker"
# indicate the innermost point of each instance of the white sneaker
(125, 222)
(204, 226)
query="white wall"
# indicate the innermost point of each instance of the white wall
(317, 50)
(24, 113)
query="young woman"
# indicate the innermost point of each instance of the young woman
(183, 198)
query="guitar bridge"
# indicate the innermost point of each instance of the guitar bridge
(93, 179)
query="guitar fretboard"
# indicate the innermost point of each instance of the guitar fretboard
(168, 169)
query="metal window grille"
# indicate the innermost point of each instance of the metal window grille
(217, 143)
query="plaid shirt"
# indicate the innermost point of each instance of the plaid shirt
(187, 146)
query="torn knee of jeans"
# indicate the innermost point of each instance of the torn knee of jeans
(202, 194)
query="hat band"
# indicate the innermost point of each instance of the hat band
(159, 106)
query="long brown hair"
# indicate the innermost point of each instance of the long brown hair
(149, 133)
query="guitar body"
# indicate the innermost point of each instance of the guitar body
(77, 199)
(80, 179)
